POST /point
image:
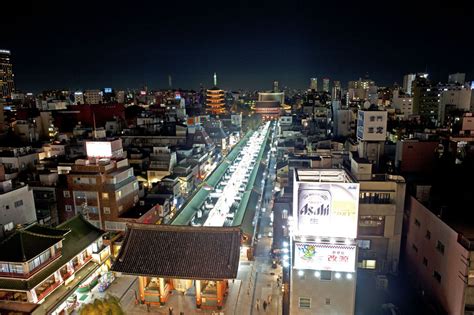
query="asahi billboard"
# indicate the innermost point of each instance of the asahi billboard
(309, 255)
(326, 209)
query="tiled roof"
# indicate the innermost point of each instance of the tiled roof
(27, 243)
(180, 252)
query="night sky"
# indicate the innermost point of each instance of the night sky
(96, 44)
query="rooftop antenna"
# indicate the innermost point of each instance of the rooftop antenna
(215, 79)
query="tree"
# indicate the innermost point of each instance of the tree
(108, 306)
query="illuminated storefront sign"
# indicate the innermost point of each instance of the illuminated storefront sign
(326, 209)
(331, 257)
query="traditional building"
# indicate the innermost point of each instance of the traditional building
(215, 101)
(182, 258)
(42, 266)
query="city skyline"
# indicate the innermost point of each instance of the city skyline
(249, 46)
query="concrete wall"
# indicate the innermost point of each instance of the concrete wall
(340, 292)
(451, 264)
(23, 212)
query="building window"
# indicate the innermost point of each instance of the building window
(425, 261)
(470, 278)
(68, 208)
(66, 194)
(417, 223)
(428, 234)
(437, 276)
(368, 264)
(363, 244)
(304, 302)
(4, 267)
(105, 196)
(326, 275)
(371, 130)
(374, 197)
(328, 301)
(120, 208)
(371, 225)
(106, 210)
(372, 118)
(414, 248)
(18, 203)
(16, 268)
(440, 247)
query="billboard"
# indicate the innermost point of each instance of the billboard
(99, 149)
(326, 209)
(333, 257)
(107, 90)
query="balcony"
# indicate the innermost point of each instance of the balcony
(48, 290)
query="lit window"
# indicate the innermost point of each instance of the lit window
(105, 196)
(368, 264)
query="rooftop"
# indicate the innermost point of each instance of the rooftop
(323, 175)
(180, 252)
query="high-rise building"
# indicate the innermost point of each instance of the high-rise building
(458, 78)
(93, 97)
(323, 248)
(425, 98)
(7, 85)
(359, 90)
(314, 84)
(78, 98)
(336, 91)
(326, 85)
(407, 82)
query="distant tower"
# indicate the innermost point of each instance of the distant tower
(6, 74)
(215, 79)
(275, 86)
(314, 84)
(170, 81)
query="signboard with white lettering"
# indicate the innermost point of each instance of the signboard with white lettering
(333, 257)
